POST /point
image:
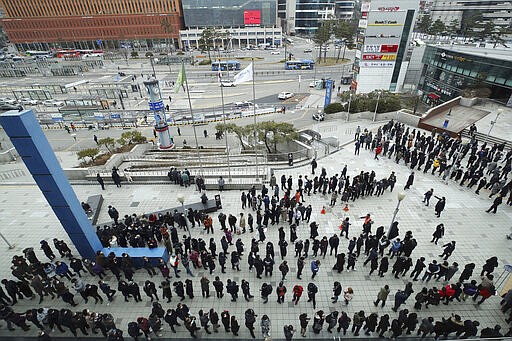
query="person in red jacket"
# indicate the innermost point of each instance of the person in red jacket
(447, 292)
(378, 150)
(297, 293)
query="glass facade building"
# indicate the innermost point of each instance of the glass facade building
(310, 13)
(448, 71)
(229, 13)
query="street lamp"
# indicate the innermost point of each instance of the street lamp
(376, 106)
(349, 102)
(498, 113)
(181, 199)
(400, 197)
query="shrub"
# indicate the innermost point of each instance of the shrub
(333, 108)
(205, 62)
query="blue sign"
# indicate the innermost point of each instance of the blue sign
(98, 42)
(445, 124)
(115, 115)
(156, 105)
(328, 92)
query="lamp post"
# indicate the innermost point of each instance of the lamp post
(498, 113)
(349, 102)
(181, 198)
(400, 197)
(376, 106)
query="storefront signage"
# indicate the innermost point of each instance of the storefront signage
(363, 23)
(388, 48)
(375, 48)
(385, 22)
(439, 89)
(384, 36)
(379, 57)
(461, 59)
(389, 9)
(378, 64)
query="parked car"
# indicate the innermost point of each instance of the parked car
(53, 103)
(308, 50)
(28, 101)
(314, 84)
(285, 95)
(319, 116)
(275, 52)
(227, 83)
(7, 100)
(8, 107)
(244, 105)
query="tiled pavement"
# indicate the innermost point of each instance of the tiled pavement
(25, 219)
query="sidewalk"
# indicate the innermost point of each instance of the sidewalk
(26, 219)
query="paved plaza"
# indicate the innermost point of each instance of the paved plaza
(25, 219)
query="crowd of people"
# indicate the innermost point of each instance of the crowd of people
(375, 249)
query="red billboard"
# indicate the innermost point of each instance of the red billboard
(252, 17)
(388, 48)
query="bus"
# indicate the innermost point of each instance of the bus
(90, 53)
(305, 64)
(67, 54)
(226, 65)
(39, 54)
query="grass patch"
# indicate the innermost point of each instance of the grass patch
(329, 61)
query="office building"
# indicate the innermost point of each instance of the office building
(242, 23)
(235, 37)
(497, 11)
(44, 24)
(229, 13)
(450, 70)
(383, 45)
(304, 16)
(344, 9)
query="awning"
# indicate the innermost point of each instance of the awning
(433, 96)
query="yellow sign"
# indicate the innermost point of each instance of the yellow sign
(388, 57)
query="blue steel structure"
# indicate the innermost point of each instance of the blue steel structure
(31, 144)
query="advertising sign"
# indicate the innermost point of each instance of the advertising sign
(388, 48)
(328, 92)
(252, 17)
(57, 117)
(376, 48)
(353, 86)
(363, 23)
(379, 57)
(385, 23)
(389, 9)
(378, 64)
(156, 105)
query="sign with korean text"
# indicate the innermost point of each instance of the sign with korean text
(376, 48)
(377, 64)
(379, 57)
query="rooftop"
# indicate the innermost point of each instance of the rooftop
(499, 53)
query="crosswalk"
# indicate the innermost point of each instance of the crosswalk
(11, 174)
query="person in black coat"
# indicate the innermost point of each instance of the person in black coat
(250, 319)
(226, 320)
(171, 317)
(150, 290)
(179, 289)
(135, 291)
(441, 202)
(410, 181)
